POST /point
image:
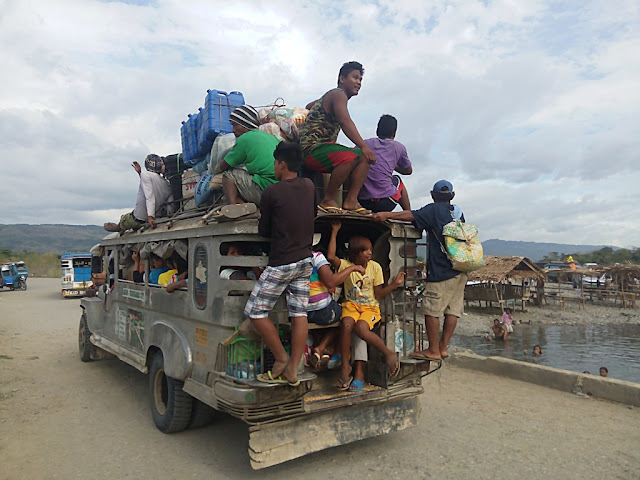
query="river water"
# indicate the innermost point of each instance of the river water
(570, 347)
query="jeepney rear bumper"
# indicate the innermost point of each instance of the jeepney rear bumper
(280, 441)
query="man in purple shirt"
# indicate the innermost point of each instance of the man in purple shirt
(382, 190)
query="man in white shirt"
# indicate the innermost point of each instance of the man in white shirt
(154, 197)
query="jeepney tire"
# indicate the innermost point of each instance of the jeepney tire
(86, 348)
(170, 405)
(201, 414)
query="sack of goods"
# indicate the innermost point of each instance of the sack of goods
(462, 246)
(287, 118)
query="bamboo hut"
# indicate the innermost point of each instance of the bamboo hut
(625, 283)
(502, 279)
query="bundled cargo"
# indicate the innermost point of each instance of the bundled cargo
(201, 129)
(218, 105)
(188, 135)
(174, 167)
(289, 119)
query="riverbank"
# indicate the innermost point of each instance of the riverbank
(477, 321)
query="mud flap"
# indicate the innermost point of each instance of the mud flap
(274, 443)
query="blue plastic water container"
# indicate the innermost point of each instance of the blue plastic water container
(202, 144)
(184, 138)
(189, 140)
(218, 105)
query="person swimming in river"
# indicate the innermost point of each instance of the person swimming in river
(498, 330)
(536, 352)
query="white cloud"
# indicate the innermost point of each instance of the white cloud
(529, 108)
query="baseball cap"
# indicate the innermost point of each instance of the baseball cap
(442, 186)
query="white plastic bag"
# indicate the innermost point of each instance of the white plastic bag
(221, 146)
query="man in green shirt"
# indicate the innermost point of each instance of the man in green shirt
(253, 149)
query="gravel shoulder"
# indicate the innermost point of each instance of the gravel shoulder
(64, 419)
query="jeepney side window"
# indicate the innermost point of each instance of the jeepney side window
(110, 266)
(200, 276)
(243, 265)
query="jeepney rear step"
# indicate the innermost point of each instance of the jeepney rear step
(304, 377)
(278, 442)
(332, 398)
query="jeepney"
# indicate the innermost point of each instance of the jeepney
(76, 274)
(200, 362)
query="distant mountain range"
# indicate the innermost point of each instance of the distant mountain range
(76, 238)
(532, 250)
(50, 238)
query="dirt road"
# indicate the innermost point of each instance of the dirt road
(60, 418)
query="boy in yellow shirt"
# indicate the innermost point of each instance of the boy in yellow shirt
(361, 310)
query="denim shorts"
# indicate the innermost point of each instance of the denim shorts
(327, 315)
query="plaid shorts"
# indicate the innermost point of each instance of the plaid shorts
(294, 278)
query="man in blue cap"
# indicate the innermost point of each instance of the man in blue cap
(444, 293)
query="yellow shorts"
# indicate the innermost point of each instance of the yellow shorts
(369, 314)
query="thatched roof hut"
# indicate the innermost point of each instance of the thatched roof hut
(489, 283)
(497, 269)
(628, 271)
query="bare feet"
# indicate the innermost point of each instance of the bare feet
(393, 363)
(443, 350)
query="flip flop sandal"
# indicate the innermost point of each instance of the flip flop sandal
(315, 359)
(356, 386)
(324, 361)
(344, 383)
(359, 211)
(330, 210)
(238, 210)
(423, 356)
(269, 378)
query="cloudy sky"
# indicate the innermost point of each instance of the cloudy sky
(530, 108)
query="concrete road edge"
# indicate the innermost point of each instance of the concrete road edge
(610, 389)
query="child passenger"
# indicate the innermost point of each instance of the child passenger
(322, 308)
(361, 310)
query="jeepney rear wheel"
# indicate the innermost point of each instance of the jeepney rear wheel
(86, 348)
(201, 414)
(170, 405)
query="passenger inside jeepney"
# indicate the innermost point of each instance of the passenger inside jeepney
(236, 249)
(157, 268)
(179, 280)
(177, 270)
(323, 309)
(361, 309)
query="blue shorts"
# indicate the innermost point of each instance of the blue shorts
(327, 315)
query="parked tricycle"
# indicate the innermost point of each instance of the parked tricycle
(11, 277)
